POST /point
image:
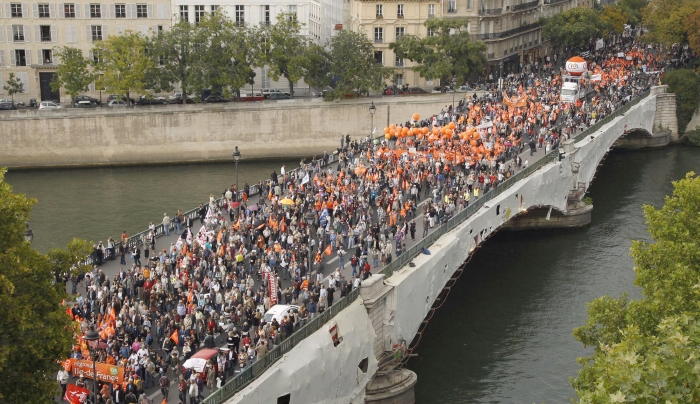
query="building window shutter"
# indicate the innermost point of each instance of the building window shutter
(28, 57)
(120, 29)
(54, 33)
(2, 55)
(52, 10)
(88, 31)
(103, 11)
(23, 77)
(149, 10)
(162, 11)
(26, 33)
(105, 32)
(91, 55)
(35, 10)
(112, 11)
(77, 10)
(2, 34)
(131, 11)
(8, 13)
(2, 61)
(39, 57)
(25, 10)
(61, 10)
(37, 33)
(87, 11)
(13, 58)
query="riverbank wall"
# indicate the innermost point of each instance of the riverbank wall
(197, 133)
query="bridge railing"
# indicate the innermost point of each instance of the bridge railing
(599, 124)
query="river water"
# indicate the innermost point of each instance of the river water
(504, 333)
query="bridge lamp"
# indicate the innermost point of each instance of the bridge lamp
(236, 158)
(372, 110)
(28, 233)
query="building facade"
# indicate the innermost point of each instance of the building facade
(31, 32)
(508, 28)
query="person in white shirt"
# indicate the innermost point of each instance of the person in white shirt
(62, 379)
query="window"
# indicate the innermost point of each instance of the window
(20, 57)
(431, 10)
(266, 15)
(95, 11)
(120, 11)
(452, 6)
(292, 10)
(160, 28)
(379, 57)
(45, 31)
(184, 13)
(399, 32)
(398, 62)
(469, 4)
(96, 32)
(399, 11)
(378, 34)
(198, 14)
(44, 11)
(398, 79)
(69, 10)
(18, 33)
(240, 15)
(47, 56)
(214, 9)
(431, 32)
(142, 10)
(380, 10)
(16, 10)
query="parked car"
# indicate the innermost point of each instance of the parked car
(91, 100)
(267, 92)
(112, 97)
(7, 105)
(178, 100)
(178, 95)
(464, 89)
(117, 103)
(278, 311)
(214, 99)
(245, 97)
(85, 104)
(143, 100)
(416, 90)
(278, 96)
(49, 105)
(393, 90)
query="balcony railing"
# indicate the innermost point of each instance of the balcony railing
(398, 63)
(553, 1)
(46, 38)
(525, 6)
(378, 40)
(505, 34)
(490, 11)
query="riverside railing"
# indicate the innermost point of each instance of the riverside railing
(258, 367)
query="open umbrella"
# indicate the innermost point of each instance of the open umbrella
(253, 208)
(259, 224)
(235, 204)
(287, 201)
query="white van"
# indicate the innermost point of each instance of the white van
(569, 92)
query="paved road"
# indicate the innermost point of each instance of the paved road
(111, 268)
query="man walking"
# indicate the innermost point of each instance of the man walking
(62, 379)
(164, 383)
(166, 224)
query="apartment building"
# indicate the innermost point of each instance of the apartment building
(508, 28)
(31, 32)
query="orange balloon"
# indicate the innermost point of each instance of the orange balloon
(392, 126)
(386, 130)
(416, 117)
(410, 132)
(435, 130)
(477, 136)
(452, 125)
(405, 130)
(425, 131)
(419, 136)
(387, 136)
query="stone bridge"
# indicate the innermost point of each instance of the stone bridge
(392, 305)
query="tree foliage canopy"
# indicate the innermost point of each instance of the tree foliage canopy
(685, 83)
(73, 74)
(285, 49)
(573, 27)
(35, 332)
(666, 20)
(647, 350)
(448, 52)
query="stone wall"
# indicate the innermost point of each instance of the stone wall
(665, 115)
(166, 134)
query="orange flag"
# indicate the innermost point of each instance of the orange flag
(329, 250)
(175, 337)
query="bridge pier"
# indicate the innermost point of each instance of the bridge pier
(577, 215)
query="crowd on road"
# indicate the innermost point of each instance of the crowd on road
(308, 225)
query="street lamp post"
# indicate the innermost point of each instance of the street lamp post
(372, 110)
(454, 90)
(309, 219)
(500, 69)
(92, 336)
(28, 233)
(236, 158)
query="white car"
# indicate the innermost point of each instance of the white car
(116, 103)
(278, 311)
(267, 91)
(49, 105)
(177, 95)
(464, 89)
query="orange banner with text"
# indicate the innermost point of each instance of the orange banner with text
(106, 373)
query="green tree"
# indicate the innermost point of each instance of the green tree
(174, 53)
(666, 20)
(123, 63)
(615, 19)
(229, 53)
(685, 83)
(13, 85)
(318, 67)
(285, 50)
(35, 332)
(633, 10)
(71, 261)
(574, 27)
(693, 25)
(73, 74)
(353, 66)
(448, 52)
(647, 350)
